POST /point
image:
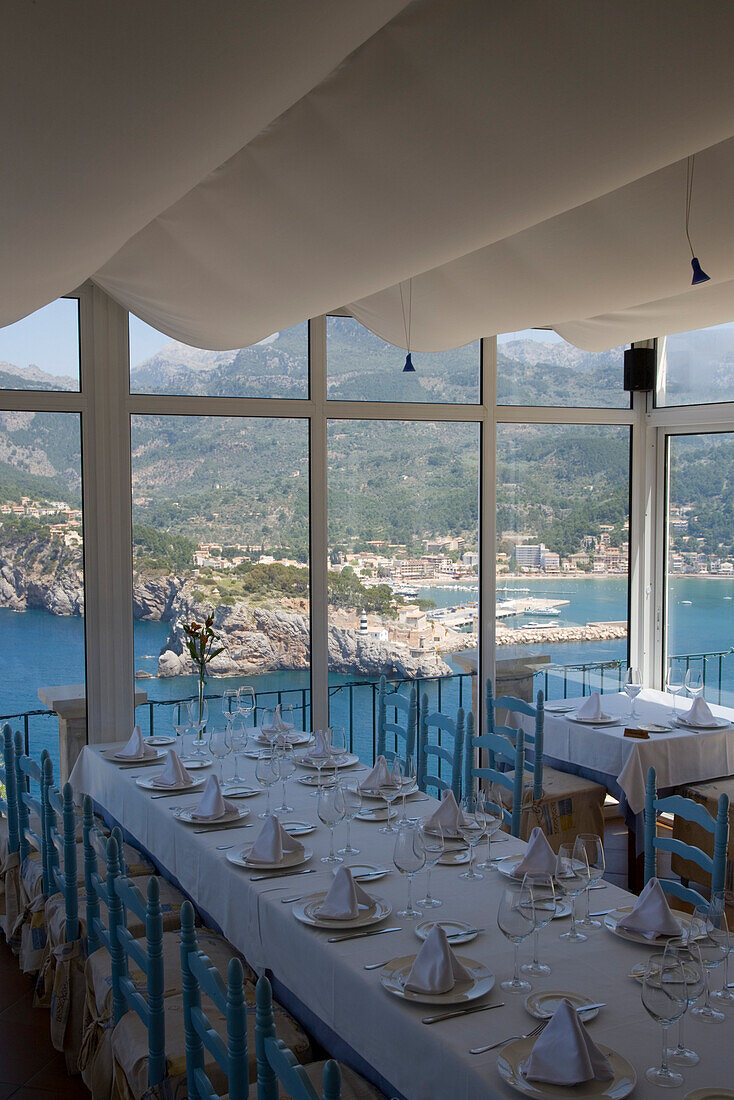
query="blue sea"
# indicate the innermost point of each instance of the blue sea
(41, 650)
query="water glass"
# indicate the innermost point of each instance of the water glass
(706, 928)
(390, 790)
(632, 688)
(331, 811)
(665, 998)
(245, 703)
(516, 922)
(220, 747)
(724, 997)
(198, 718)
(229, 704)
(287, 766)
(409, 774)
(352, 806)
(589, 847)
(320, 762)
(694, 683)
(571, 878)
(674, 686)
(267, 773)
(434, 845)
(238, 741)
(472, 829)
(542, 897)
(409, 857)
(695, 974)
(493, 818)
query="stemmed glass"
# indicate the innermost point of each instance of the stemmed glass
(572, 878)
(390, 790)
(665, 997)
(409, 772)
(434, 845)
(229, 704)
(725, 995)
(352, 806)
(516, 922)
(472, 828)
(181, 728)
(266, 726)
(705, 926)
(287, 766)
(589, 847)
(198, 720)
(267, 773)
(409, 857)
(245, 703)
(238, 740)
(694, 683)
(543, 900)
(695, 974)
(320, 762)
(220, 747)
(674, 685)
(632, 688)
(493, 818)
(331, 811)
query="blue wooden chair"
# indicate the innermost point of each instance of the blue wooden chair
(454, 756)
(276, 1064)
(66, 882)
(689, 810)
(510, 753)
(533, 741)
(34, 875)
(10, 855)
(406, 733)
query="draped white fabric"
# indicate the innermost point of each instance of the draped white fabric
(243, 167)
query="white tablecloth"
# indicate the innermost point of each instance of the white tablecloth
(680, 756)
(421, 1062)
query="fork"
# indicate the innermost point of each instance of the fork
(502, 1042)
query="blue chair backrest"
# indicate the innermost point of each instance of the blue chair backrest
(201, 976)
(11, 789)
(147, 955)
(533, 741)
(277, 1064)
(27, 771)
(387, 701)
(61, 804)
(504, 751)
(689, 810)
(95, 848)
(454, 756)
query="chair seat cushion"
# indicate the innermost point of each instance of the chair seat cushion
(570, 805)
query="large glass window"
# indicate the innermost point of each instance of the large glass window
(220, 524)
(700, 565)
(536, 367)
(696, 368)
(562, 555)
(276, 367)
(41, 352)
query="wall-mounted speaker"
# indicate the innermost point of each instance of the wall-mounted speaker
(639, 369)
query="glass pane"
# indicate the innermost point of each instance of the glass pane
(41, 567)
(403, 561)
(362, 367)
(41, 352)
(562, 555)
(536, 367)
(220, 524)
(700, 594)
(276, 367)
(696, 368)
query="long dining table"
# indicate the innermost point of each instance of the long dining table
(326, 984)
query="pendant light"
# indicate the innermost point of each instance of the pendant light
(408, 368)
(699, 275)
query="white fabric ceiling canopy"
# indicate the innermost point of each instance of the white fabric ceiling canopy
(523, 163)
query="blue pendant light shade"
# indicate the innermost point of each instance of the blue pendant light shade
(699, 275)
(409, 362)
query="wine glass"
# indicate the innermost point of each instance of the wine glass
(516, 922)
(725, 995)
(665, 998)
(674, 685)
(434, 845)
(713, 950)
(632, 688)
(320, 761)
(472, 829)
(181, 727)
(352, 806)
(338, 747)
(409, 857)
(493, 819)
(694, 683)
(245, 702)
(286, 715)
(267, 773)
(543, 899)
(409, 774)
(198, 718)
(695, 974)
(267, 726)
(571, 878)
(589, 847)
(389, 790)
(238, 740)
(287, 765)
(220, 747)
(331, 811)
(229, 704)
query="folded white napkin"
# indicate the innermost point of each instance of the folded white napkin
(321, 748)
(539, 857)
(564, 1052)
(447, 816)
(272, 843)
(699, 714)
(212, 805)
(136, 748)
(436, 968)
(591, 710)
(378, 777)
(651, 916)
(345, 898)
(174, 774)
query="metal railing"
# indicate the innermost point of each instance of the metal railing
(583, 678)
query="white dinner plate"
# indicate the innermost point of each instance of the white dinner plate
(394, 975)
(655, 727)
(453, 857)
(307, 911)
(114, 758)
(196, 765)
(350, 759)
(712, 1092)
(638, 972)
(607, 720)
(160, 739)
(295, 737)
(290, 859)
(542, 1004)
(457, 931)
(612, 919)
(514, 1054)
(409, 784)
(560, 708)
(147, 782)
(717, 724)
(369, 872)
(298, 828)
(313, 780)
(376, 813)
(187, 816)
(240, 791)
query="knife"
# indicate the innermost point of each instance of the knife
(601, 913)
(282, 874)
(360, 935)
(372, 874)
(224, 828)
(460, 1012)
